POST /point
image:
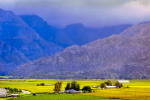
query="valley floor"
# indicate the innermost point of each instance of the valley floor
(138, 89)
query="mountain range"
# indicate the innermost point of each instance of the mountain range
(126, 55)
(25, 38)
(74, 34)
(31, 48)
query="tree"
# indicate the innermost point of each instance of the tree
(108, 82)
(72, 85)
(42, 84)
(118, 85)
(121, 85)
(57, 86)
(78, 87)
(75, 86)
(87, 89)
(103, 85)
(68, 86)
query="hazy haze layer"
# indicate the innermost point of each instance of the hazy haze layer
(92, 13)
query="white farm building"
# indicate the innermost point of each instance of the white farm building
(3, 93)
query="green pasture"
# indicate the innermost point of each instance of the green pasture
(62, 97)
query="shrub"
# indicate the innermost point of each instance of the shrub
(13, 90)
(128, 87)
(118, 85)
(34, 94)
(108, 83)
(57, 87)
(103, 85)
(87, 89)
(42, 84)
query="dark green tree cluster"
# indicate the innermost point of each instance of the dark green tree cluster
(87, 89)
(118, 85)
(108, 83)
(57, 87)
(73, 85)
(42, 84)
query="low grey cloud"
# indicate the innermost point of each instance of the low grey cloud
(92, 13)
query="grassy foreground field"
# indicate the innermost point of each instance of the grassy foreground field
(139, 89)
(62, 97)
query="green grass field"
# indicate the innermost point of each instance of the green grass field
(139, 89)
(62, 97)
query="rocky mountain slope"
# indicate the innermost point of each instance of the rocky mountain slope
(119, 56)
(46, 31)
(23, 42)
(10, 56)
(25, 38)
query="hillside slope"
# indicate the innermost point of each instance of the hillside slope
(46, 31)
(23, 40)
(10, 56)
(118, 56)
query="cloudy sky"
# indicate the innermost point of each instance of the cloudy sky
(92, 13)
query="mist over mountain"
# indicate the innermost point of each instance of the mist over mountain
(118, 56)
(73, 34)
(82, 35)
(46, 31)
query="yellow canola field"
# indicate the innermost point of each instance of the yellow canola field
(138, 89)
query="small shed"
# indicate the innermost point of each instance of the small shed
(95, 87)
(15, 95)
(123, 81)
(48, 84)
(3, 93)
(70, 91)
(110, 87)
(25, 91)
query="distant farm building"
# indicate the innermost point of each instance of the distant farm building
(48, 84)
(3, 93)
(96, 87)
(25, 91)
(15, 95)
(110, 87)
(123, 81)
(70, 91)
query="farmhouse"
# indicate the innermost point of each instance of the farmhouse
(3, 93)
(123, 81)
(95, 87)
(25, 91)
(48, 84)
(110, 87)
(70, 91)
(15, 95)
